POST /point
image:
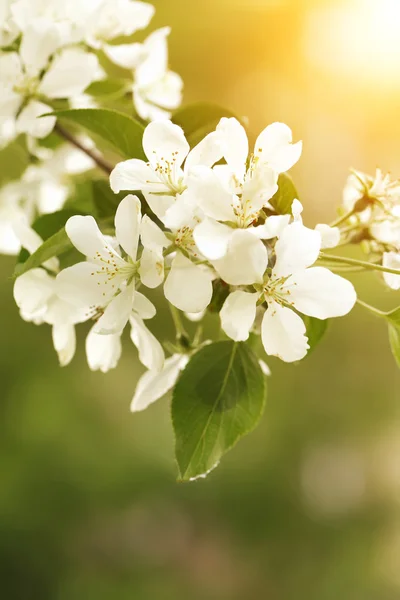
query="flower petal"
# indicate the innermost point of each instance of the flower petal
(64, 341)
(245, 261)
(88, 239)
(81, 286)
(151, 268)
(117, 313)
(152, 237)
(143, 307)
(32, 292)
(188, 286)
(297, 248)
(127, 224)
(28, 121)
(151, 353)
(69, 74)
(163, 141)
(238, 314)
(133, 175)
(211, 196)
(212, 238)
(317, 292)
(274, 146)
(39, 42)
(234, 145)
(153, 385)
(392, 261)
(103, 351)
(127, 56)
(206, 153)
(283, 333)
(272, 227)
(330, 236)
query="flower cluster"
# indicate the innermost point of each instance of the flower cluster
(49, 53)
(212, 226)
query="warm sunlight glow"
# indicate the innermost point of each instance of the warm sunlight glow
(359, 38)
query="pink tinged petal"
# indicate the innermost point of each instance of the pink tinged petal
(206, 153)
(391, 260)
(127, 56)
(163, 141)
(297, 248)
(69, 74)
(32, 292)
(330, 236)
(143, 307)
(152, 236)
(64, 341)
(272, 227)
(238, 314)
(245, 261)
(234, 145)
(151, 353)
(88, 239)
(274, 146)
(127, 224)
(188, 286)
(29, 121)
(83, 286)
(317, 292)
(212, 238)
(103, 351)
(154, 385)
(151, 268)
(40, 40)
(135, 175)
(211, 196)
(283, 333)
(117, 313)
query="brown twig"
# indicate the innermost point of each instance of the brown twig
(100, 162)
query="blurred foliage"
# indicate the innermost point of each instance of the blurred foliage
(307, 506)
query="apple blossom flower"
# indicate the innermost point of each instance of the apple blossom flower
(156, 90)
(293, 284)
(391, 260)
(8, 28)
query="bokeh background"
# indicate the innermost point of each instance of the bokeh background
(308, 506)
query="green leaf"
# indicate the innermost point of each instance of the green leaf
(118, 131)
(219, 397)
(105, 200)
(283, 199)
(197, 120)
(107, 88)
(316, 329)
(14, 159)
(393, 316)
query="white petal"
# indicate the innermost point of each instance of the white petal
(117, 313)
(59, 312)
(164, 141)
(297, 210)
(127, 56)
(88, 239)
(297, 248)
(10, 69)
(143, 307)
(272, 227)
(78, 286)
(159, 204)
(153, 385)
(70, 74)
(283, 333)
(64, 341)
(212, 238)
(181, 213)
(188, 287)
(151, 268)
(274, 146)
(127, 224)
(211, 196)
(264, 368)
(122, 18)
(165, 92)
(392, 261)
(330, 236)
(154, 63)
(206, 153)
(151, 235)
(245, 261)
(258, 188)
(28, 120)
(39, 42)
(134, 175)
(234, 144)
(238, 314)
(151, 353)
(317, 292)
(32, 292)
(31, 240)
(103, 351)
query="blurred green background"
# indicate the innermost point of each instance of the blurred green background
(308, 506)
